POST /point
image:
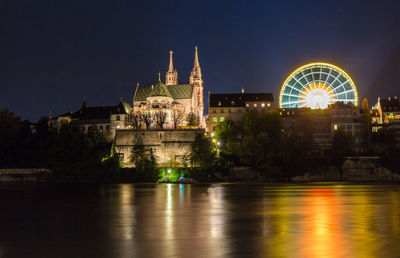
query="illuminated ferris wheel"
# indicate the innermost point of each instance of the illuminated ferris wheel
(317, 85)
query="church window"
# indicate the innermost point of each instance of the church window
(219, 103)
(215, 119)
(247, 105)
(268, 104)
(222, 119)
(118, 125)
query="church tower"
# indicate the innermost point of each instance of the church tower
(171, 77)
(197, 81)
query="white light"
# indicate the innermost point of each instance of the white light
(212, 134)
(169, 171)
(319, 97)
(218, 143)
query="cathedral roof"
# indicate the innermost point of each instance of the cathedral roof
(160, 90)
(180, 91)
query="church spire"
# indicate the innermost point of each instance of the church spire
(195, 75)
(196, 58)
(171, 77)
(171, 63)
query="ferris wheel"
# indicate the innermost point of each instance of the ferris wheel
(317, 85)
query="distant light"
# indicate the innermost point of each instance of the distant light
(218, 143)
(168, 170)
(212, 134)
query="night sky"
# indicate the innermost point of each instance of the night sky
(53, 53)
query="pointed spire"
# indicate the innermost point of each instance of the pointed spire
(195, 75)
(171, 63)
(196, 58)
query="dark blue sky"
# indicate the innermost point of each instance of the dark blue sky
(53, 53)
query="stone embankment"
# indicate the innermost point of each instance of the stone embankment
(24, 174)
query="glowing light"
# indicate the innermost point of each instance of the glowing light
(317, 85)
(317, 96)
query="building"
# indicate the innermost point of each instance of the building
(223, 106)
(105, 118)
(171, 97)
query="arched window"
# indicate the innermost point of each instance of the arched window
(118, 118)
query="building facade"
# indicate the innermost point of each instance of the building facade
(171, 97)
(223, 106)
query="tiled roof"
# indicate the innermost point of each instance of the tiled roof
(237, 99)
(180, 91)
(160, 90)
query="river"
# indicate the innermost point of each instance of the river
(212, 220)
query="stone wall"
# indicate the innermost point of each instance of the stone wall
(169, 146)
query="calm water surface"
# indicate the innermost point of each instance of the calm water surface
(217, 220)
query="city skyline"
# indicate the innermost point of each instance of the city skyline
(55, 54)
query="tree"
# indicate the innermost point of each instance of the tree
(160, 118)
(177, 117)
(202, 152)
(342, 146)
(192, 120)
(144, 160)
(134, 120)
(147, 118)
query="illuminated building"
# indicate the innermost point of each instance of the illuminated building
(223, 106)
(106, 118)
(316, 86)
(172, 97)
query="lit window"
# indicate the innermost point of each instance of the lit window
(215, 119)
(262, 104)
(268, 104)
(222, 119)
(247, 105)
(118, 125)
(255, 104)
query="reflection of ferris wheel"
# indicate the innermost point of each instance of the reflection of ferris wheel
(317, 85)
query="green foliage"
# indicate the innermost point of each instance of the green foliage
(144, 161)
(202, 152)
(342, 146)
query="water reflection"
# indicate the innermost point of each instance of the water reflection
(218, 220)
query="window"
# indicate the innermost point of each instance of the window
(247, 105)
(268, 104)
(215, 119)
(118, 118)
(255, 104)
(222, 119)
(117, 125)
(232, 102)
(335, 127)
(262, 104)
(219, 103)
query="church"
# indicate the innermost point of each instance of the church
(172, 99)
